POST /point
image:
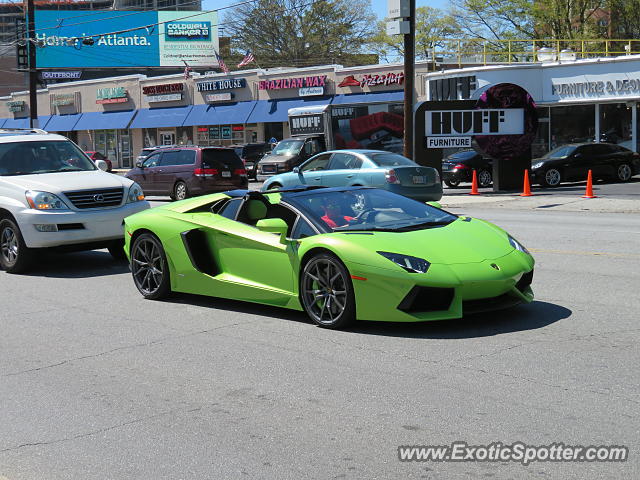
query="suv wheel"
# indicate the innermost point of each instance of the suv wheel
(15, 257)
(180, 191)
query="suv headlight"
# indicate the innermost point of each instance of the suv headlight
(45, 201)
(409, 263)
(135, 194)
(517, 245)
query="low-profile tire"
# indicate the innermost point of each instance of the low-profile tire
(485, 178)
(116, 249)
(452, 183)
(624, 172)
(180, 191)
(149, 267)
(326, 292)
(15, 256)
(274, 186)
(551, 178)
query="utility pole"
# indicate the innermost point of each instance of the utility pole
(33, 71)
(402, 21)
(409, 80)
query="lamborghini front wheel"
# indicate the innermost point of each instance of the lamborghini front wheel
(327, 292)
(149, 267)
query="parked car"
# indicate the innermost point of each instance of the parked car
(185, 171)
(288, 154)
(376, 168)
(52, 195)
(572, 162)
(458, 167)
(98, 156)
(251, 153)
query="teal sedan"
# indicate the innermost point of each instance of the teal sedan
(369, 168)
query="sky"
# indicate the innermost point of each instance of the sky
(379, 6)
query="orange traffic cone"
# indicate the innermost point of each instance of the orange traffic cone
(589, 192)
(474, 184)
(526, 191)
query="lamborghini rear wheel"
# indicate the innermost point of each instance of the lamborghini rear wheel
(327, 292)
(149, 267)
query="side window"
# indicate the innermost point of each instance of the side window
(170, 158)
(152, 160)
(344, 161)
(585, 151)
(302, 229)
(311, 147)
(187, 157)
(230, 209)
(318, 163)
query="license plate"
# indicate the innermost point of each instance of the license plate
(268, 168)
(226, 174)
(419, 179)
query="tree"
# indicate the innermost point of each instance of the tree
(432, 27)
(301, 32)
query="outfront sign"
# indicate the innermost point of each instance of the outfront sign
(70, 75)
(147, 39)
(306, 124)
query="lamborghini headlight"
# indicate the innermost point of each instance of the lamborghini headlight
(409, 263)
(537, 165)
(135, 193)
(517, 245)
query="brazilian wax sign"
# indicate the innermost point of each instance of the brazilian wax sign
(153, 39)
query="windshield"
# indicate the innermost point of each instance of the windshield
(389, 160)
(368, 209)
(288, 147)
(560, 152)
(462, 155)
(51, 156)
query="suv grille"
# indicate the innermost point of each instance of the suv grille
(106, 197)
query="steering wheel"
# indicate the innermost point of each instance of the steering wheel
(362, 217)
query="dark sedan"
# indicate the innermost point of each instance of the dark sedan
(458, 167)
(572, 162)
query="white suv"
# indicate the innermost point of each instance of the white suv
(53, 195)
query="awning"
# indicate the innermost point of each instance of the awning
(161, 117)
(222, 114)
(63, 123)
(277, 110)
(24, 122)
(397, 96)
(2, 120)
(104, 120)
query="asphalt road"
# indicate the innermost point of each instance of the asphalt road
(97, 383)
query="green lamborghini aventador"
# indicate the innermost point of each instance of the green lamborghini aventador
(340, 254)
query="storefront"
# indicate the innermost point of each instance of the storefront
(578, 101)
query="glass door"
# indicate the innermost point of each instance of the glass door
(124, 142)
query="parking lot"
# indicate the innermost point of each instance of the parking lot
(97, 382)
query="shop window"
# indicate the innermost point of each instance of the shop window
(615, 124)
(150, 137)
(184, 135)
(572, 124)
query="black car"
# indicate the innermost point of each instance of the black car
(251, 153)
(572, 162)
(458, 167)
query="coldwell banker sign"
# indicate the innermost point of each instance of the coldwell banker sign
(147, 39)
(454, 128)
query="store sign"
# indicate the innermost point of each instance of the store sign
(167, 97)
(225, 84)
(310, 91)
(135, 39)
(16, 106)
(343, 113)
(225, 132)
(373, 80)
(584, 89)
(298, 82)
(306, 124)
(219, 97)
(162, 89)
(63, 99)
(112, 95)
(61, 75)
(448, 142)
(214, 133)
(455, 88)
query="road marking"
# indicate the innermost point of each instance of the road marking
(597, 254)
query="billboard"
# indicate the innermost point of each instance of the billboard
(153, 39)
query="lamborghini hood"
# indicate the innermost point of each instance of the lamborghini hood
(459, 242)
